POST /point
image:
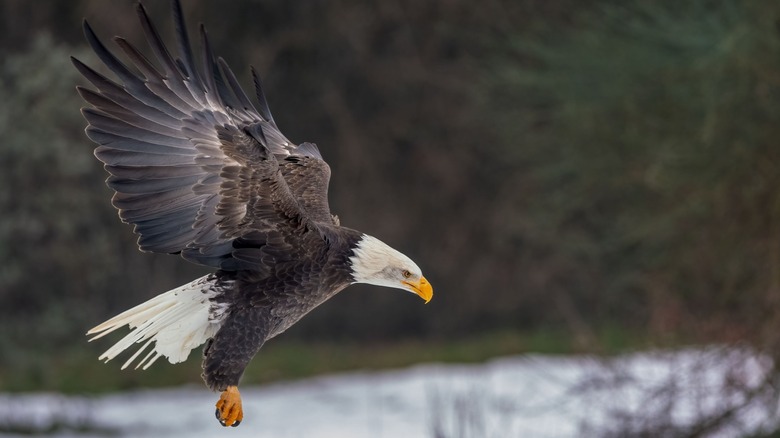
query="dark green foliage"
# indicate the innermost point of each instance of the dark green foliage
(45, 180)
(646, 137)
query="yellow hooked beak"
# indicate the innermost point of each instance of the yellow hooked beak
(421, 288)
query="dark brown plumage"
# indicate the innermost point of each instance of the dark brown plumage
(201, 172)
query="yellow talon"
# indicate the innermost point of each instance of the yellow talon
(229, 411)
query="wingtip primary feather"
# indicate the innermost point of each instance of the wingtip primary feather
(157, 45)
(210, 68)
(265, 111)
(235, 95)
(183, 40)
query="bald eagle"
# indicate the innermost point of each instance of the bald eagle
(202, 172)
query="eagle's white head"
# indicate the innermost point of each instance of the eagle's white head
(374, 262)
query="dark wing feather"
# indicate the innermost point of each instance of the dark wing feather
(264, 110)
(195, 166)
(307, 175)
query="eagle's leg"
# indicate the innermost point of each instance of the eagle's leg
(225, 358)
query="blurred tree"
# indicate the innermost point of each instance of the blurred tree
(649, 150)
(43, 272)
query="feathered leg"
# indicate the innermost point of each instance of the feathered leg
(227, 355)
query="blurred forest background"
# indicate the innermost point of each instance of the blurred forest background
(577, 175)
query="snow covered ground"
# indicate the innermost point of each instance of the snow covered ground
(528, 396)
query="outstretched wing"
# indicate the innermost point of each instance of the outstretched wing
(195, 165)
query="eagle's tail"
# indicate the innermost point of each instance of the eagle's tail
(176, 322)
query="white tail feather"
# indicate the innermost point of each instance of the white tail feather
(174, 323)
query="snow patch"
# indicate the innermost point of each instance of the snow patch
(530, 395)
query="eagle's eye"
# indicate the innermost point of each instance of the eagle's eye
(406, 273)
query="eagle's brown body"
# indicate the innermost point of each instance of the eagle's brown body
(201, 172)
(272, 299)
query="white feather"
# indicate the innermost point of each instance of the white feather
(174, 323)
(375, 262)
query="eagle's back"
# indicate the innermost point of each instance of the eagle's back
(288, 288)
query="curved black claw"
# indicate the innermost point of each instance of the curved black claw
(222, 422)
